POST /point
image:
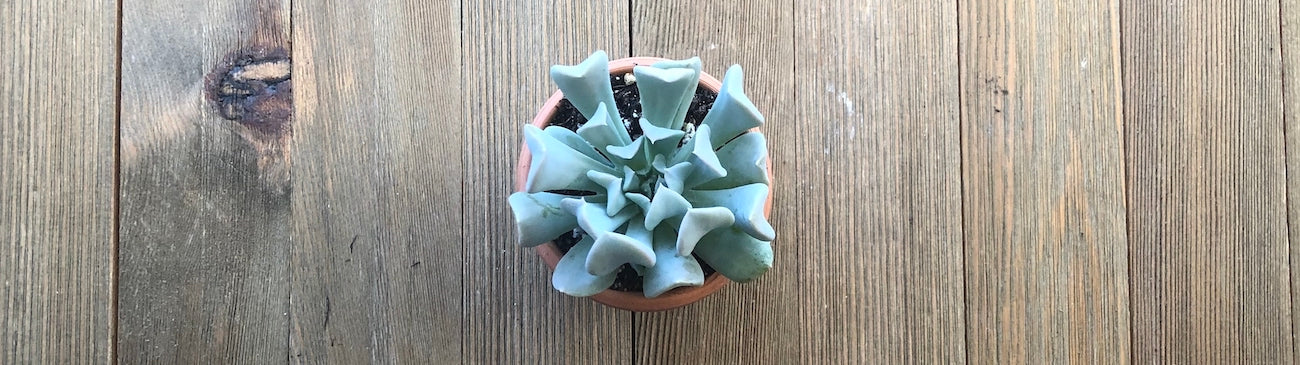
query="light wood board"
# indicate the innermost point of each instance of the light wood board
(376, 253)
(1206, 182)
(1290, 52)
(1043, 183)
(876, 201)
(57, 163)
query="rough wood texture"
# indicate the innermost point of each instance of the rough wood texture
(377, 181)
(512, 315)
(1291, 104)
(1206, 182)
(203, 244)
(1006, 181)
(876, 245)
(742, 324)
(57, 106)
(1043, 183)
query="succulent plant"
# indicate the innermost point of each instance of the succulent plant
(675, 192)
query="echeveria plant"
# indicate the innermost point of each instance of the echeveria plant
(652, 201)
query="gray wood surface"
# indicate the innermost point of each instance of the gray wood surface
(1043, 179)
(1290, 20)
(512, 315)
(1206, 182)
(986, 182)
(57, 157)
(739, 324)
(204, 241)
(876, 195)
(376, 234)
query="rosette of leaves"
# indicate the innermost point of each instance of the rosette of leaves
(654, 201)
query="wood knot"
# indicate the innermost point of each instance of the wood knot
(254, 87)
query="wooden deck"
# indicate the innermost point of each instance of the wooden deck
(1011, 181)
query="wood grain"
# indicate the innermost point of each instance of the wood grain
(986, 182)
(1043, 183)
(376, 258)
(1290, 50)
(877, 250)
(57, 161)
(1206, 193)
(741, 324)
(512, 315)
(204, 244)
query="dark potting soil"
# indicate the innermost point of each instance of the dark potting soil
(628, 98)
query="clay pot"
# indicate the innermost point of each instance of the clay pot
(632, 301)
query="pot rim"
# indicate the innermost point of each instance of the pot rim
(632, 301)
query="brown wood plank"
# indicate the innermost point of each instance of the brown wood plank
(376, 258)
(203, 243)
(1043, 183)
(57, 160)
(741, 324)
(1207, 190)
(876, 223)
(512, 315)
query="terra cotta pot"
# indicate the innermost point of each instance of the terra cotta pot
(633, 301)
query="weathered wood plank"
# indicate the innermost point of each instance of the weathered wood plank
(1290, 51)
(376, 258)
(203, 251)
(1206, 193)
(1043, 183)
(57, 161)
(877, 240)
(512, 315)
(750, 323)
